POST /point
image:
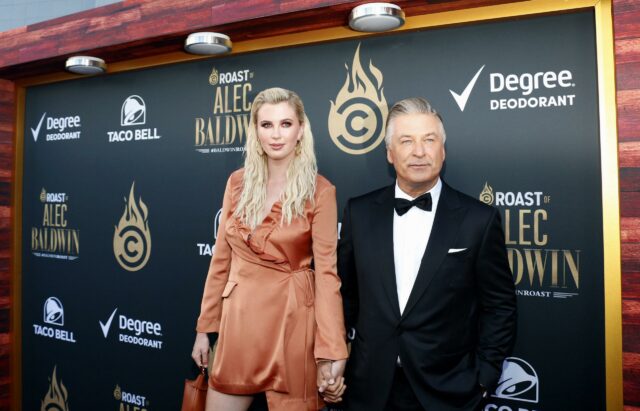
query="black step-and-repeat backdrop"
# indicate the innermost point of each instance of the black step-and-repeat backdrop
(124, 176)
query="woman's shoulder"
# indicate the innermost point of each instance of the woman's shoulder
(323, 184)
(235, 179)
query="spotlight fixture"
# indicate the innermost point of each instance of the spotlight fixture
(207, 43)
(85, 65)
(376, 17)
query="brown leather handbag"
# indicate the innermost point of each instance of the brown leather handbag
(195, 392)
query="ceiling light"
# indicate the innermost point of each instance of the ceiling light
(207, 43)
(376, 17)
(85, 65)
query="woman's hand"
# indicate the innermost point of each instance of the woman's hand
(333, 393)
(330, 380)
(200, 353)
(324, 378)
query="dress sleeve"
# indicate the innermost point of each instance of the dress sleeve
(211, 308)
(330, 342)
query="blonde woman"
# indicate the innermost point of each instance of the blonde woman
(277, 317)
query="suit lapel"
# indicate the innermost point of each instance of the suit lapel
(382, 234)
(443, 234)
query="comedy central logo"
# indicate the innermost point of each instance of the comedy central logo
(518, 382)
(214, 77)
(486, 195)
(132, 238)
(56, 397)
(357, 117)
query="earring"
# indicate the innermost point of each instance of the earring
(298, 148)
(260, 150)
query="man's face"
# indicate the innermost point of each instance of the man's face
(416, 151)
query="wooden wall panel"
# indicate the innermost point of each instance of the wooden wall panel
(628, 100)
(129, 29)
(626, 22)
(7, 132)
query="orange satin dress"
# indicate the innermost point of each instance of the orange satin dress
(275, 315)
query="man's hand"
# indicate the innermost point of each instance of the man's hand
(484, 391)
(200, 353)
(337, 368)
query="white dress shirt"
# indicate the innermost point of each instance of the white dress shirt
(411, 233)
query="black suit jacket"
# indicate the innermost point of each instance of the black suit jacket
(459, 323)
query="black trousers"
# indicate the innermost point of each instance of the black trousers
(402, 397)
(259, 403)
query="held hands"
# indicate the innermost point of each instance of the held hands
(330, 380)
(200, 353)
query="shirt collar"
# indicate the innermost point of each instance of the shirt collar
(435, 193)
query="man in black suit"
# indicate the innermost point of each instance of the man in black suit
(428, 293)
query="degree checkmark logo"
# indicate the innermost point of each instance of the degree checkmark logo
(37, 130)
(461, 99)
(105, 327)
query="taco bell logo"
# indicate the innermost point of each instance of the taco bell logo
(518, 382)
(53, 314)
(206, 248)
(134, 111)
(216, 224)
(53, 311)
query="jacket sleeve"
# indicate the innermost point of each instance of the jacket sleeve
(211, 308)
(330, 340)
(496, 293)
(347, 270)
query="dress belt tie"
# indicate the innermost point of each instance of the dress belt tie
(308, 299)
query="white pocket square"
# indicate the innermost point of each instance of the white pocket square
(456, 250)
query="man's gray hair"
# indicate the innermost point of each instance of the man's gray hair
(413, 105)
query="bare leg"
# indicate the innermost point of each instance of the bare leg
(217, 401)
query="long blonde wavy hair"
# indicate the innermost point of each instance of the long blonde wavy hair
(301, 173)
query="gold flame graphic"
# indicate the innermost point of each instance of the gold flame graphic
(56, 397)
(43, 195)
(486, 196)
(358, 116)
(117, 393)
(213, 78)
(132, 238)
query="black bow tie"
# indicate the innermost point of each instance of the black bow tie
(423, 202)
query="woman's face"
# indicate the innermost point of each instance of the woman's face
(279, 130)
